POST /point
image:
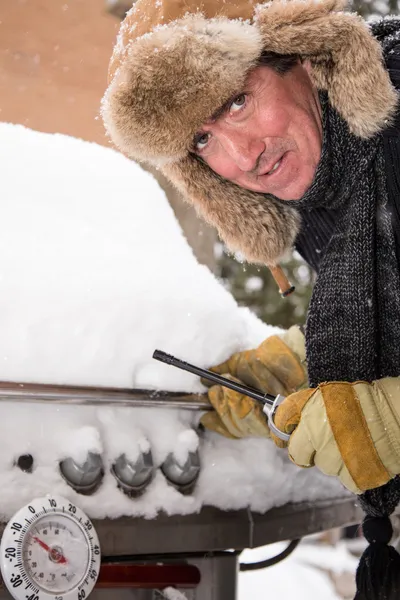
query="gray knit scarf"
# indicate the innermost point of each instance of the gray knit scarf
(353, 323)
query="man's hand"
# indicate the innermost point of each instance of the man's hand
(350, 430)
(235, 415)
(277, 366)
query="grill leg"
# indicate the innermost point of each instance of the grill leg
(219, 576)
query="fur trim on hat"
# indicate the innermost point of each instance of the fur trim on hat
(261, 228)
(168, 82)
(172, 80)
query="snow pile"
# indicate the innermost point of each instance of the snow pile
(94, 275)
(95, 272)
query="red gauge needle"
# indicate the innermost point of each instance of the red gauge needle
(54, 553)
(42, 544)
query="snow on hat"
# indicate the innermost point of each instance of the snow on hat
(177, 61)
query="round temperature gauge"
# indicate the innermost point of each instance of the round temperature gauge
(50, 551)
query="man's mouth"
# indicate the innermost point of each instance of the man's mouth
(274, 167)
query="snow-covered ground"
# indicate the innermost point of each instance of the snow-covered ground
(307, 574)
(94, 275)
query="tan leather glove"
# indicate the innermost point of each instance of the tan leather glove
(277, 366)
(234, 415)
(349, 430)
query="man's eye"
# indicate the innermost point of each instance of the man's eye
(238, 103)
(201, 141)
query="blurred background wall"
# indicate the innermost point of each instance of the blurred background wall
(53, 64)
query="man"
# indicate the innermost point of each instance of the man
(279, 123)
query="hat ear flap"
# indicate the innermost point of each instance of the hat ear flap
(261, 228)
(346, 59)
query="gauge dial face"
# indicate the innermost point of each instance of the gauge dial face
(56, 553)
(50, 550)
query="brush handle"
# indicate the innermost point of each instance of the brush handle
(214, 377)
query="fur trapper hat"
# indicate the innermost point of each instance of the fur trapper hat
(177, 61)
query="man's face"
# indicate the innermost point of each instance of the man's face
(267, 138)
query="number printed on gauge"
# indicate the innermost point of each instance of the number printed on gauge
(50, 551)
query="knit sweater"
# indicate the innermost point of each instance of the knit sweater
(318, 224)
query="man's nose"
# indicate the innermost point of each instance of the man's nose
(244, 150)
